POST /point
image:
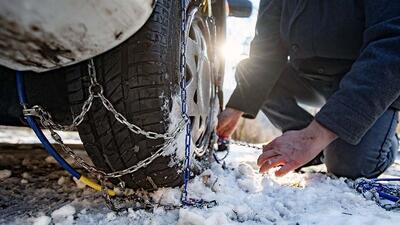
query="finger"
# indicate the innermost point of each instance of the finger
(228, 129)
(286, 169)
(221, 124)
(220, 131)
(267, 147)
(222, 128)
(271, 163)
(265, 156)
(224, 131)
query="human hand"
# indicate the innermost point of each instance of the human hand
(295, 148)
(227, 122)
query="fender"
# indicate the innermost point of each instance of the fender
(42, 35)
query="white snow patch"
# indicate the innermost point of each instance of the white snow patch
(187, 217)
(41, 220)
(178, 147)
(167, 196)
(111, 216)
(64, 215)
(25, 135)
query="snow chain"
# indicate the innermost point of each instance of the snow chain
(384, 191)
(96, 92)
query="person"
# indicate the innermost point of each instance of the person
(342, 56)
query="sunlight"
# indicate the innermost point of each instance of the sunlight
(232, 51)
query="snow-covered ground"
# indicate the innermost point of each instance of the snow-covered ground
(34, 190)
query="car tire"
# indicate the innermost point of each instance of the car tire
(140, 77)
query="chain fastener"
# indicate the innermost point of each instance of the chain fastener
(31, 112)
(96, 89)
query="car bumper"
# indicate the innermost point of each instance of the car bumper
(41, 35)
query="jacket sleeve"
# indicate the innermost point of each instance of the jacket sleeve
(257, 75)
(373, 83)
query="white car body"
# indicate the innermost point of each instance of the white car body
(41, 35)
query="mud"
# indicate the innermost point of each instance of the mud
(32, 47)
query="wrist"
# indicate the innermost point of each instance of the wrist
(234, 111)
(323, 134)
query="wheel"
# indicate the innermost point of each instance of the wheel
(141, 79)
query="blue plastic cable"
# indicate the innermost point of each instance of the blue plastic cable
(384, 195)
(380, 188)
(32, 123)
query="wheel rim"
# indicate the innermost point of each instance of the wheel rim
(199, 81)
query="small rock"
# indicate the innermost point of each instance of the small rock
(79, 184)
(26, 175)
(4, 174)
(61, 180)
(51, 160)
(24, 181)
(117, 191)
(26, 162)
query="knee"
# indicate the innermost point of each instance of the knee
(353, 162)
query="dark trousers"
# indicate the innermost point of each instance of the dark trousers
(371, 157)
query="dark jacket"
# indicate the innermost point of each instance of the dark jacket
(357, 38)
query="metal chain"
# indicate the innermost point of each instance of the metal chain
(96, 90)
(47, 122)
(182, 71)
(245, 144)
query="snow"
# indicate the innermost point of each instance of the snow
(244, 197)
(26, 135)
(41, 220)
(63, 215)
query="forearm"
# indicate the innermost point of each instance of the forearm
(373, 83)
(257, 75)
